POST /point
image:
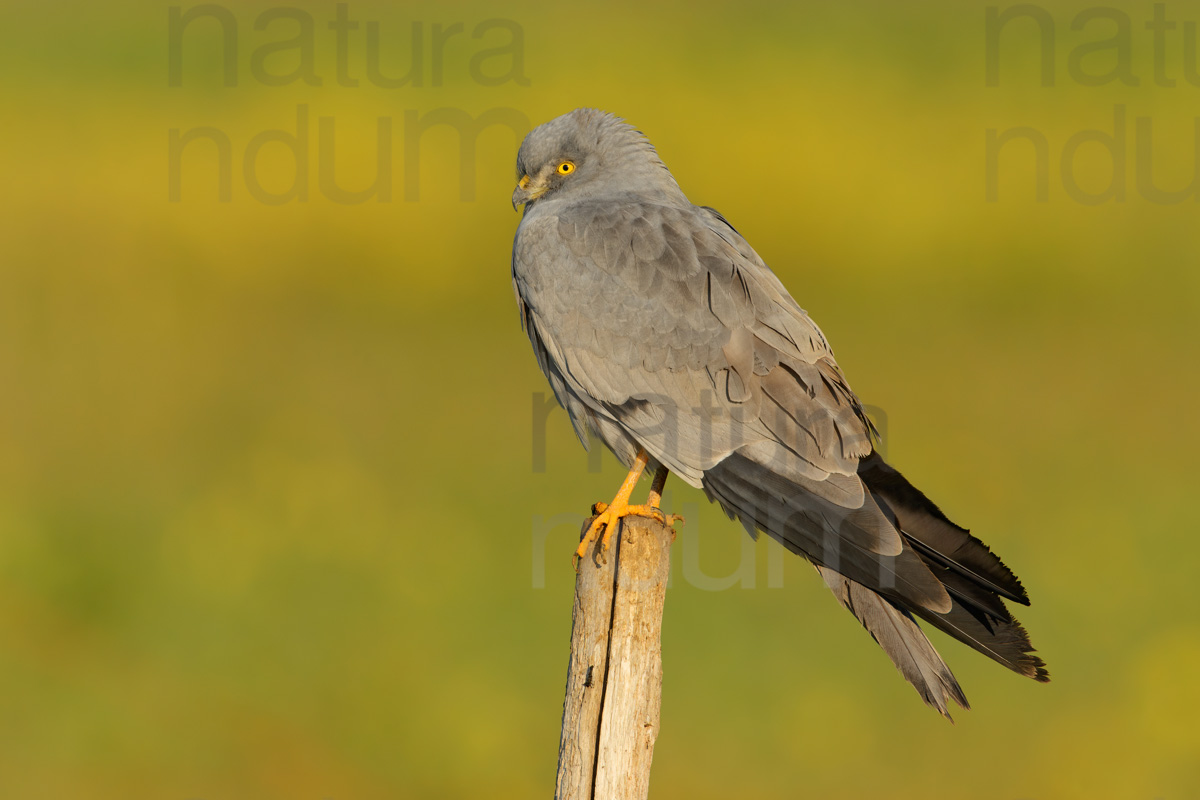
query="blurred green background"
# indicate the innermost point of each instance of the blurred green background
(271, 522)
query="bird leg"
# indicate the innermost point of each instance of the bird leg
(608, 515)
(655, 498)
(656, 488)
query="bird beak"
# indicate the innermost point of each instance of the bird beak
(526, 192)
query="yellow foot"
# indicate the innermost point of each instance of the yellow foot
(651, 511)
(609, 515)
(608, 518)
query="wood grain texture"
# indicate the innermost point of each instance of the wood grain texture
(614, 678)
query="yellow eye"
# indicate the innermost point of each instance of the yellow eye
(566, 168)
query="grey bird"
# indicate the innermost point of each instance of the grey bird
(664, 334)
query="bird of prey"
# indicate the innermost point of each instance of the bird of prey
(663, 333)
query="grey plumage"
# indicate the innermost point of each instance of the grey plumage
(660, 328)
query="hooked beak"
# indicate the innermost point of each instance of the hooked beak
(526, 192)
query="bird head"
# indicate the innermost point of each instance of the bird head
(588, 153)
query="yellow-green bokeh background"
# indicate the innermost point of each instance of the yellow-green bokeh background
(266, 491)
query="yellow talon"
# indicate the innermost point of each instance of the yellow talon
(608, 515)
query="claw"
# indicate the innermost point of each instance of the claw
(609, 515)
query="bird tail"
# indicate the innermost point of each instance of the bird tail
(976, 579)
(902, 639)
(885, 595)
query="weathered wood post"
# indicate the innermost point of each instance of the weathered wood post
(614, 678)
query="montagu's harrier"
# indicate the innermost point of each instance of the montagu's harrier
(662, 332)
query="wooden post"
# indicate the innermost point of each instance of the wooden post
(614, 678)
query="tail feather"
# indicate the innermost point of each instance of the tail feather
(902, 639)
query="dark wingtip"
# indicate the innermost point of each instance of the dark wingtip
(1038, 670)
(1028, 664)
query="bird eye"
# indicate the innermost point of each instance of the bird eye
(566, 168)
